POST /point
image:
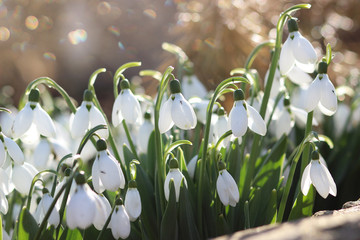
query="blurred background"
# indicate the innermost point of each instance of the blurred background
(69, 39)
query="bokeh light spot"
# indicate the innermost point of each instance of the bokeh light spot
(4, 34)
(114, 30)
(150, 13)
(210, 42)
(103, 8)
(31, 22)
(77, 36)
(3, 11)
(121, 46)
(49, 56)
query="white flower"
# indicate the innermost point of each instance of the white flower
(321, 93)
(176, 110)
(341, 119)
(316, 173)
(191, 166)
(126, 106)
(82, 207)
(277, 84)
(6, 186)
(22, 177)
(120, 223)
(144, 133)
(33, 113)
(86, 117)
(192, 87)
(106, 170)
(4, 206)
(9, 146)
(103, 210)
(242, 116)
(44, 206)
(200, 108)
(298, 76)
(175, 174)
(221, 126)
(296, 50)
(226, 187)
(133, 201)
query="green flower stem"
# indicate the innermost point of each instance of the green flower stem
(106, 223)
(118, 75)
(57, 170)
(8, 219)
(132, 146)
(35, 179)
(306, 154)
(255, 51)
(47, 215)
(88, 135)
(210, 106)
(225, 135)
(255, 151)
(51, 84)
(161, 174)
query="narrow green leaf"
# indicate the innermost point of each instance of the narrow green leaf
(27, 225)
(328, 54)
(128, 157)
(271, 209)
(255, 203)
(151, 156)
(187, 221)
(169, 225)
(1, 230)
(175, 145)
(326, 139)
(152, 73)
(247, 215)
(303, 206)
(237, 71)
(69, 234)
(93, 77)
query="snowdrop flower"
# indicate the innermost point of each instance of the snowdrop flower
(126, 106)
(296, 50)
(191, 166)
(277, 85)
(22, 177)
(200, 108)
(120, 221)
(176, 110)
(299, 77)
(220, 127)
(341, 119)
(316, 173)
(175, 174)
(192, 87)
(4, 206)
(103, 210)
(226, 187)
(87, 116)
(242, 116)
(133, 201)
(9, 146)
(33, 113)
(144, 133)
(106, 170)
(321, 93)
(44, 206)
(83, 205)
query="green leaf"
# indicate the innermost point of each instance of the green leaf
(2, 109)
(128, 157)
(303, 206)
(237, 71)
(247, 215)
(176, 50)
(69, 234)
(125, 66)
(271, 209)
(187, 222)
(255, 203)
(169, 225)
(28, 227)
(328, 54)
(1, 230)
(152, 73)
(151, 156)
(175, 145)
(93, 77)
(233, 160)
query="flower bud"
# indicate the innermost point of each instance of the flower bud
(124, 84)
(88, 95)
(238, 95)
(101, 145)
(322, 68)
(173, 163)
(292, 25)
(315, 155)
(175, 86)
(34, 95)
(80, 178)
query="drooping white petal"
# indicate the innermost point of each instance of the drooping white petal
(309, 68)
(14, 150)
(116, 116)
(238, 119)
(120, 223)
(43, 122)
(286, 60)
(130, 107)
(22, 177)
(96, 181)
(110, 172)
(303, 51)
(192, 87)
(312, 95)
(328, 99)
(300, 115)
(144, 133)
(2, 153)
(222, 189)
(200, 108)
(5, 180)
(7, 121)
(306, 180)
(177, 176)
(256, 122)
(191, 166)
(319, 178)
(42, 154)
(220, 128)
(59, 148)
(341, 119)
(182, 113)
(23, 121)
(81, 120)
(133, 203)
(165, 120)
(284, 124)
(101, 213)
(297, 76)
(4, 206)
(80, 211)
(333, 190)
(277, 84)
(96, 118)
(233, 190)
(54, 218)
